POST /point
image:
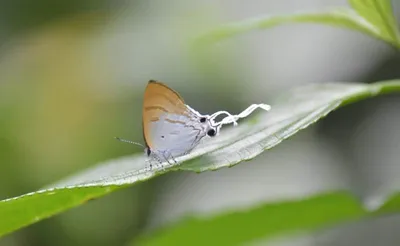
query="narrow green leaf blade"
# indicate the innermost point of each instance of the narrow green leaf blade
(341, 17)
(297, 110)
(263, 222)
(30, 208)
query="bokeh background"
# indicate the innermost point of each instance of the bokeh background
(72, 74)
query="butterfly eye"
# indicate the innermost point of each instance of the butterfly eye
(211, 132)
(203, 119)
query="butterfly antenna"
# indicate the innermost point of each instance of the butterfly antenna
(129, 141)
(232, 118)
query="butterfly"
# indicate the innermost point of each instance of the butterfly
(172, 128)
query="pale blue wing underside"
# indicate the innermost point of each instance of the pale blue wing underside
(174, 135)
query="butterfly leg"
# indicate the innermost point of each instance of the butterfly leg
(149, 165)
(173, 159)
(166, 156)
(170, 159)
(154, 160)
(175, 162)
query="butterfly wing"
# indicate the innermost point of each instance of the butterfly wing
(169, 128)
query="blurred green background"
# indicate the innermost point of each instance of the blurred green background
(72, 74)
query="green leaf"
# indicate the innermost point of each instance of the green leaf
(262, 222)
(365, 18)
(267, 221)
(380, 14)
(295, 111)
(30, 208)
